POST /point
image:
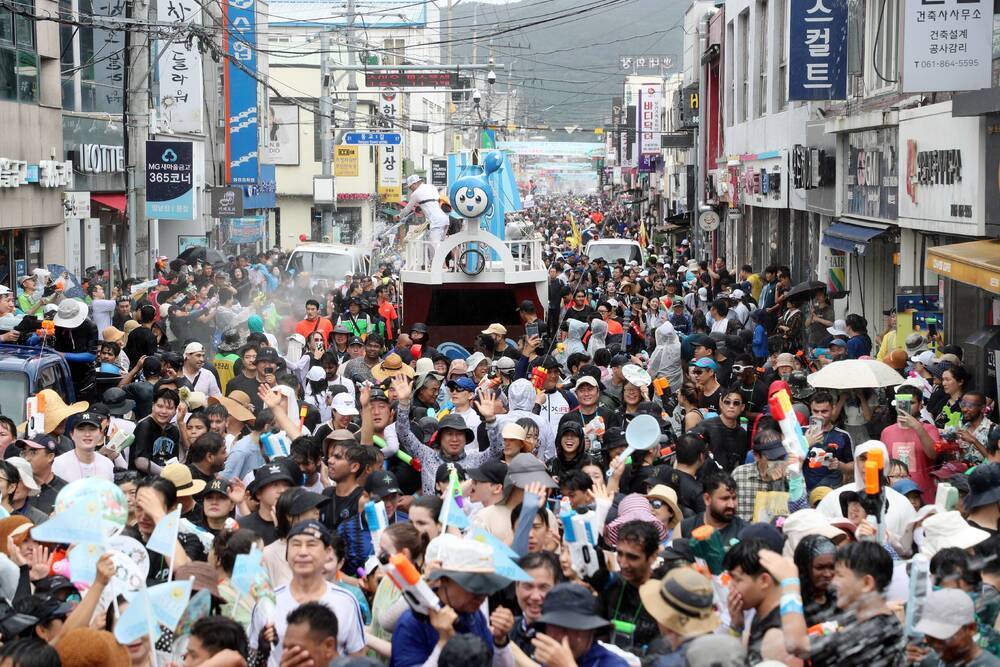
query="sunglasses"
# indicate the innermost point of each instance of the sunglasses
(739, 369)
(697, 371)
(733, 403)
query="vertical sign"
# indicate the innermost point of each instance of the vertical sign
(948, 45)
(650, 125)
(109, 69)
(390, 183)
(817, 50)
(169, 180)
(179, 71)
(240, 19)
(439, 172)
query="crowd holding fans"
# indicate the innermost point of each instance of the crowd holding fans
(814, 491)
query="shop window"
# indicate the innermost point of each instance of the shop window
(18, 57)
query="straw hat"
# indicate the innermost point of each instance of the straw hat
(237, 404)
(56, 411)
(113, 335)
(391, 366)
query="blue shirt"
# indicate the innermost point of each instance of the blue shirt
(414, 639)
(837, 442)
(244, 459)
(358, 540)
(598, 656)
(858, 346)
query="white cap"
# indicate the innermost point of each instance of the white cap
(945, 612)
(926, 358)
(315, 374)
(343, 404)
(684, 242)
(703, 293)
(193, 348)
(413, 179)
(737, 294)
(27, 477)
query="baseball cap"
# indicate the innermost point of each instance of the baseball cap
(586, 379)
(462, 384)
(495, 328)
(381, 484)
(91, 418)
(193, 348)
(217, 485)
(312, 528)
(267, 354)
(343, 404)
(946, 611)
(493, 472)
(838, 342)
(926, 358)
(40, 441)
(513, 431)
(772, 450)
(705, 362)
(270, 473)
(355, 340)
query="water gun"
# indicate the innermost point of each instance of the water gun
(375, 517)
(538, 377)
(46, 328)
(661, 385)
(594, 431)
(35, 413)
(400, 454)
(664, 453)
(823, 629)
(920, 567)
(874, 463)
(579, 535)
(276, 444)
(820, 457)
(706, 543)
(792, 437)
(303, 410)
(443, 412)
(407, 579)
(946, 496)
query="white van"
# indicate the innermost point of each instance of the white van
(329, 261)
(614, 249)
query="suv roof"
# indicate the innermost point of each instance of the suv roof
(16, 357)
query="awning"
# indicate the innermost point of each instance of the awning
(850, 237)
(974, 263)
(669, 227)
(115, 201)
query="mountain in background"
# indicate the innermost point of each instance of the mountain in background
(571, 62)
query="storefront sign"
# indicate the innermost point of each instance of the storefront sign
(654, 63)
(943, 188)
(263, 194)
(282, 145)
(947, 45)
(812, 168)
(246, 230)
(227, 202)
(178, 67)
(390, 181)
(47, 173)
(76, 205)
(817, 47)
(101, 159)
(871, 183)
(240, 87)
(439, 173)
(762, 180)
(345, 161)
(169, 180)
(650, 124)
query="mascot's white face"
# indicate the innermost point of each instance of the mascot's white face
(472, 202)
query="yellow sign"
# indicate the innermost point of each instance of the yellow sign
(391, 193)
(694, 100)
(598, 130)
(345, 160)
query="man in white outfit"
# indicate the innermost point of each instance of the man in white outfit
(425, 196)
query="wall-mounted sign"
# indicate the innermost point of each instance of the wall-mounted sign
(170, 180)
(345, 161)
(871, 183)
(76, 205)
(647, 63)
(817, 50)
(439, 172)
(240, 90)
(47, 173)
(227, 202)
(390, 173)
(101, 159)
(762, 180)
(709, 220)
(282, 144)
(813, 168)
(947, 45)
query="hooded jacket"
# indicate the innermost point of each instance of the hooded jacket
(900, 511)
(598, 337)
(574, 340)
(559, 465)
(666, 358)
(521, 399)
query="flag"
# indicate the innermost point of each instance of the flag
(246, 570)
(149, 608)
(79, 522)
(198, 608)
(164, 536)
(642, 233)
(83, 562)
(503, 556)
(451, 513)
(492, 541)
(576, 241)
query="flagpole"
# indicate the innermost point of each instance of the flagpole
(149, 626)
(449, 498)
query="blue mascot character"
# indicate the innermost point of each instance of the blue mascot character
(472, 196)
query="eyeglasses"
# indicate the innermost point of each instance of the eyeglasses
(734, 404)
(697, 371)
(739, 369)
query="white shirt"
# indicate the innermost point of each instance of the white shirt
(101, 311)
(720, 326)
(70, 468)
(350, 626)
(427, 194)
(204, 382)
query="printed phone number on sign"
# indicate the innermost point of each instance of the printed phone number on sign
(158, 177)
(933, 64)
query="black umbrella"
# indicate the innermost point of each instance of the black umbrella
(202, 254)
(804, 290)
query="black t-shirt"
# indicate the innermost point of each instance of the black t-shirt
(621, 602)
(342, 507)
(196, 475)
(758, 628)
(711, 401)
(265, 530)
(690, 494)
(728, 445)
(141, 342)
(153, 442)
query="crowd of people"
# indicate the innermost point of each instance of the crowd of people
(658, 471)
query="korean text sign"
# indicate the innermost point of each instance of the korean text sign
(179, 70)
(947, 45)
(170, 180)
(817, 50)
(241, 91)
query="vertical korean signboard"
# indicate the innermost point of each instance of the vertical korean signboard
(817, 50)
(390, 157)
(179, 70)
(650, 125)
(240, 18)
(947, 45)
(170, 180)
(109, 69)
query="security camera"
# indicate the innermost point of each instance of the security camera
(476, 97)
(491, 77)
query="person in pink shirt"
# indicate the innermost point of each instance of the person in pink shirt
(913, 441)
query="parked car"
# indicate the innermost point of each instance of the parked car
(25, 371)
(614, 249)
(329, 261)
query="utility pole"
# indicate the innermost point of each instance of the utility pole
(352, 74)
(449, 134)
(326, 135)
(136, 124)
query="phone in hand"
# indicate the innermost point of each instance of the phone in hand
(532, 329)
(903, 406)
